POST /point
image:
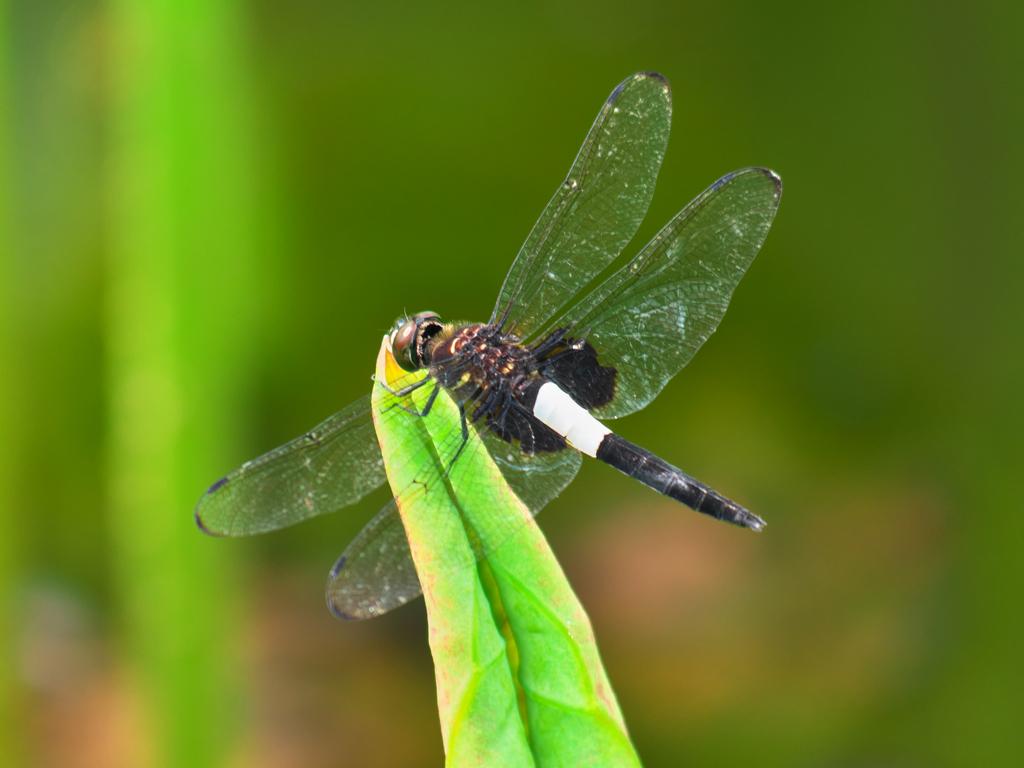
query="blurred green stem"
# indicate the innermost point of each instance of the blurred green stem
(10, 746)
(180, 283)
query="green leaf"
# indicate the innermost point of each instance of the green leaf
(519, 678)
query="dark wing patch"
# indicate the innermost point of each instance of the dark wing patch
(573, 365)
(514, 423)
(532, 435)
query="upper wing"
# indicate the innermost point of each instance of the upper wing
(333, 465)
(597, 209)
(649, 319)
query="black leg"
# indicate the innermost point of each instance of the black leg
(465, 439)
(413, 411)
(406, 390)
(507, 404)
(487, 406)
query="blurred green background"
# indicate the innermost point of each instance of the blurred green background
(211, 210)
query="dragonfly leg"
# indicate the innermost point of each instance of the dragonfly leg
(465, 439)
(426, 408)
(487, 406)
(405, 390)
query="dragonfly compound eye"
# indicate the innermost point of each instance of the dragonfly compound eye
(409, 342)
(403, 348)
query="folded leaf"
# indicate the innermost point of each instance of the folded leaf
(519, 679)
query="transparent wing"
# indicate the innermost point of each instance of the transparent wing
(650, 318)
(335, 464)
(536, 479)
(597, 209)
(376, 572)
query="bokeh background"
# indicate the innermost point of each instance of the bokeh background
(210, 210)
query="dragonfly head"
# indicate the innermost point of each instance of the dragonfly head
(409, 340)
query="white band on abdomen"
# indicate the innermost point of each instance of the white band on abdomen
(560, 412)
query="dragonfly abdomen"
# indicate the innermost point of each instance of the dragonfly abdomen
(557, 410)
(642, 465)
(586, 434)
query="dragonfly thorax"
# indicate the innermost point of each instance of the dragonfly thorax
(472, 358)
(476, 358)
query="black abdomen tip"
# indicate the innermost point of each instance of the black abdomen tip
(748, 519)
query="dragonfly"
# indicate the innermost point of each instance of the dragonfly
(552, 363)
